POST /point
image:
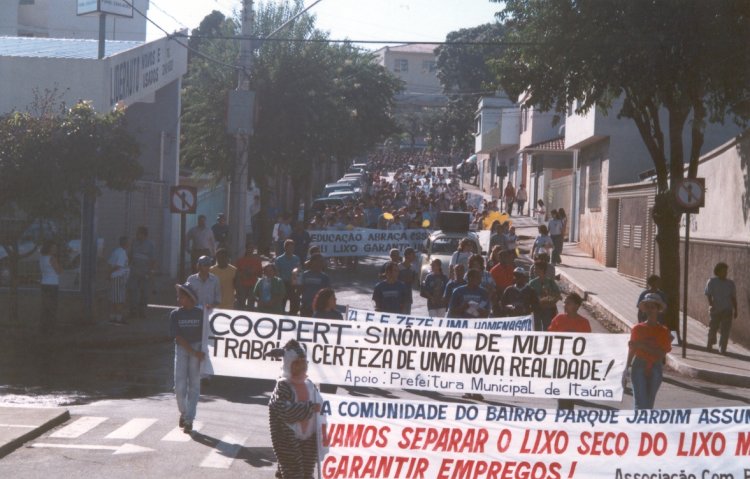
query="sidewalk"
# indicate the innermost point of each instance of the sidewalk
(612, 298)
(19, 425)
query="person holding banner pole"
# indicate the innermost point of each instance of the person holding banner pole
(186, 328)
(293, 409)
(649, 344)
(570, 322)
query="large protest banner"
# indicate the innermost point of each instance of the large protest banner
(367, 242)
(348, 353)
(366, 438)
(516, 323)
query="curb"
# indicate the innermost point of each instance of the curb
(674, 360)
(14, 444)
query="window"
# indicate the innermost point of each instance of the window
(401, 65)
(429, 66)
(595, 184)
(524, 119)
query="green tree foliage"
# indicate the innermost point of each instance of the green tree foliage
(314, 100)
(677, 64)
(464, 74)
(47, 162)
(205, 144)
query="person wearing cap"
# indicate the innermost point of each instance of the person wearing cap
(653, 282)
(186, 328)
(221, 231)
(432, 289)
(570, 322)
(649, 344)
(722, 299)
(201, 242)
(518, 299)
(293, 409)
(205, 284)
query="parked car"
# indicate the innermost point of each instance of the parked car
(354, 183)
(357, 167)
(332, 187)
(320, 204)
(344, 195)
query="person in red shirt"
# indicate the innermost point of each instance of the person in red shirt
(249, 269)
(502, 273)
(570, 322)
(649, 344)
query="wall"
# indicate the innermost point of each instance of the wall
(593, 221)
(539, 128)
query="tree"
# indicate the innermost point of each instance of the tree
(465, 76)
(314, 101)
(676, 64)
(47, 163)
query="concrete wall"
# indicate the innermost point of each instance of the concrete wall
(721, 231)
(593, 221)
(539, 127)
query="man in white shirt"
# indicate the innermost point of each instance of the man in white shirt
(206, 284)
(118, 278)
(201, 241)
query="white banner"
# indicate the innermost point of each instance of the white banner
(515, 323)
(367, 242)
(368, 438)
(347, 353)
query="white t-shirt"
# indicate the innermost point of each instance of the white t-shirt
(119, 258)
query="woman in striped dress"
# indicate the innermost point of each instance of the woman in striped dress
(294, 403)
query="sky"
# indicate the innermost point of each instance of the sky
(392, 20)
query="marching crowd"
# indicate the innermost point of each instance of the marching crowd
(403, 193)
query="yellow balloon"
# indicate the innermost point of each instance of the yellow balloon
(426, 224)
(388, 216)
(491, 218)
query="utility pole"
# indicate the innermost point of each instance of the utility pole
(241, 106)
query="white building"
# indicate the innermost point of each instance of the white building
(146, 77)
(496, 139)
(416, 66)
(58, 19)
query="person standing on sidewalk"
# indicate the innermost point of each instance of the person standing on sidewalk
(50, 285)
(118, 278)
(510, 197)
(142, 266)
(555, 228)
(570, 322)
(186, 328)
(201, 242)
(722, 300)
(220, 229)
(649, 344)
(522, 196)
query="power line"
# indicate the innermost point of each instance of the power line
(499, 43)
(167, 13)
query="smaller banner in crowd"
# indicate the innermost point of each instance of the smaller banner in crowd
(449, 360)
(367, 242)
(384, 439)
(516, 323)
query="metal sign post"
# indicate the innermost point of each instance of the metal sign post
(690, 194)
(183, 200)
